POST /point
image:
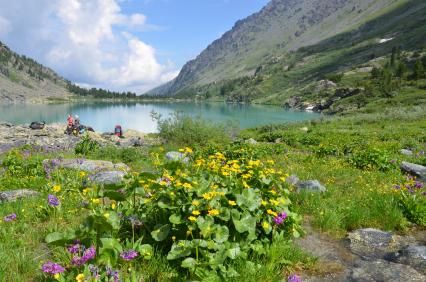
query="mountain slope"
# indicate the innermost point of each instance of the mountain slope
(24, 80)
(274, 34)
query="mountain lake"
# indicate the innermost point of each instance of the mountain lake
(103, 116)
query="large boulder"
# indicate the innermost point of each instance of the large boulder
(413, 255)
(86, 165)
(372, 243)
(310, 186)
(292, 179)
(176, 157)
(13, 195)
(108, 177)
(381, 270)
(416, 170)
(406, 152)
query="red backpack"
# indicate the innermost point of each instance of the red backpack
(118, 131)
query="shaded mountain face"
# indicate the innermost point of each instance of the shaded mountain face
(282, 26)
(24, 80)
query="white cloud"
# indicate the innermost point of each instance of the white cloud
(88, 41)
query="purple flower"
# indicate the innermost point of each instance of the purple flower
(10, 217)
(392, 161)
(52, 268)
(397, 187)
(53, 200)
(112, 273)
(129, 255)
(74, 249)
(294, 278)
(94, 270)
(88, 254)
(418, 185)
(279, 219)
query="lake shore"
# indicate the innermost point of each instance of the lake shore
(53, 138)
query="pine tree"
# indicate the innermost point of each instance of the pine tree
(418, 70)
(393, 57)
(402, 70)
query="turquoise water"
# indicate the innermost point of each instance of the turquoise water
(104, 116)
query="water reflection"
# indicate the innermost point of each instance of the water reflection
(103, 116)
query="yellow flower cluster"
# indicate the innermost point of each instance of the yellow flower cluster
(213, 194)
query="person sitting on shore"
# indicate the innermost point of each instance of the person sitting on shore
(70, 121)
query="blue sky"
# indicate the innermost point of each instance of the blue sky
(129, 45)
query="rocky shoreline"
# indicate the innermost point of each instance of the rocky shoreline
(52, 138)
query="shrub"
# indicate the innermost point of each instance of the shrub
(86, 146)
(203, 215)
(181, 129)
(412, 198)
(371, 158)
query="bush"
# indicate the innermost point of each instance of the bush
(203, 215)
(86, 146)
(411, 195)
(181, 129)
(371, 158)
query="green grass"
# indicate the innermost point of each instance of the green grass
(357, 196)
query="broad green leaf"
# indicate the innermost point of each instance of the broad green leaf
(233, 252)
(247, 223)
(161, 233)
(175, 219)
(206, 225)
(60, 238)
(111, 243)
(249, 199)
(145, 251)
(180, 249)
(221, 234)
(189, 263)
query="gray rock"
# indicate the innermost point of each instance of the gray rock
(372, 243)
(414, 256)
(406, 152)
(13, 195)
(292, 179)
(311, 186)
(251, 141)
(414, 169)
(177, 157)
(88, 165)
(108, 177)
(381, 270)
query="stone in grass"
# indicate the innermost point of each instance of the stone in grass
(310, 186)
(416, 170)
(372, 243)
(107, 177)
(292, 179)
(177, 157)
(87, 165)
(413, 255)
(13, 195)
(251, 141)
(381, 270)
(406, 152)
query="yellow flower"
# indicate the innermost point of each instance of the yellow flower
(245, 185)
(56, 276)
(161, 149)
(113, 204)
(196, 203)
(82, 174)
(271, 212)
(56, 188)
(96, 201)
(225, 173)
(187, 185)
(163, 183)
(196, 212)
(282, 179)
(232, 203)
(207, 196)
(106, 215)
(265, 225)
(174, 238)
(273, 192)
(188, 232)
(213, 212)
(188, 150)
(80, 277)
(264, 203)
(274, 202)
(181, 150)
(86, 191)
(192, 218)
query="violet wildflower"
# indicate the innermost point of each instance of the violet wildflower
(53, 200)
(418, 185)
(94, 270)
(10, 217)
(129, 255)
(278, 220)
(113, 274)
(74, 249)
(52, 268)
(88, 254)
(294, 278)
(283, 215)
(392, 161)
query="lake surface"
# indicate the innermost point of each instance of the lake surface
(104, 116)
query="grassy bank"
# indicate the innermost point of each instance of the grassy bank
(217, 217)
